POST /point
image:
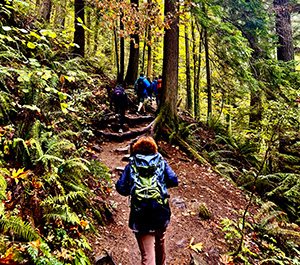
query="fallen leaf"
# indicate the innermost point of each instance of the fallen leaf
(198, 247)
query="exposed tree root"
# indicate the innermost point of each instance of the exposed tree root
(125, 135)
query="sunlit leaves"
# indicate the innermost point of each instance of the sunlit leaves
(49, 33)
(197, 247)
(31, 45)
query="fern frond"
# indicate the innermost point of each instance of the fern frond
(76, 162)
(60, 145)
(265, 208)
(45, 158)
(16, 225)
(17, 140)
(273, 261)
(72, 196)
(61, 212)
(274, 229)
(75, 187)
(270, 216)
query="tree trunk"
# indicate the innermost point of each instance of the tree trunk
(188, 71)
(255, 96)
(60, 14)
(208, 77)
(96, 30)
(195, 61)
(285, 50)
(117, 51)
(122, 52)
(197, 74)
(45, 10)
(88, 24)
(133, 64)
(167, 109)
(149, 61)
(144, 52)
(79, 37)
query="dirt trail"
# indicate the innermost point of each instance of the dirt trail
(197, 184)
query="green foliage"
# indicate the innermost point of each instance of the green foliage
(15, 225)
(233, 230)
(275, 229)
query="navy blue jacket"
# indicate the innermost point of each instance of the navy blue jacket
(146, 220)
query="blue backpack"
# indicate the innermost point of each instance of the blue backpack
(140, 86)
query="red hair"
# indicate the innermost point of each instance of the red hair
(145, 145)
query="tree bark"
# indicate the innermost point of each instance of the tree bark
(117, 51)
(133, 64)
(167, 109)
(45, 10)
(208, 77)
(96, 29)
(88, 24)
(188, 71)
(149, 59)
(196, 80)
(122, 52)
(79, 35)
(60, 14)
(285, 50)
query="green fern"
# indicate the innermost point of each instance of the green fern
(17, 226)
(60, 212)
(71, 196)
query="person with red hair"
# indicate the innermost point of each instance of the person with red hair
(148, 219)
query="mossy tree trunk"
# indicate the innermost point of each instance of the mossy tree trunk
(133, 64)
(285, 50)
(168, 106)
(189, 105)
(122, 52)
(45, 10)
(208, 75)
(96, 30)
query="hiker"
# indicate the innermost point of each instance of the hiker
(141, 85)
(120, 101)
(149, 91)
(158, 90)
(153, 87)
(150, 214)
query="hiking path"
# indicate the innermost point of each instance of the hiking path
(198, 184)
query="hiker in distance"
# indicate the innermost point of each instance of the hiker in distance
(119, 100)
(141, 86)
(146, 179)
(158, 90)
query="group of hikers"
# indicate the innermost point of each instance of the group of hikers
(145, 89)
(146, 178)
